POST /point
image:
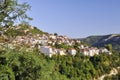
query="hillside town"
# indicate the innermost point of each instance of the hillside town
(49, 44)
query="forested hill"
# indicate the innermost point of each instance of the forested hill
(101, 41)
(18, 61)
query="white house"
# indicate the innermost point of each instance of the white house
(47, 50)
(91, 52)
(88, 52)
(104, 50)
(61, 51)
(81, 46)
(72, 51)
(52, 36)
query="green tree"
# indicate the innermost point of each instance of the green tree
(6, 73)
(11, 11)
(109, 47)
(55, 34)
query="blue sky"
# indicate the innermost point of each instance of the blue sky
(76, 18)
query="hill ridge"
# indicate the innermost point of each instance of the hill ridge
(101, 41)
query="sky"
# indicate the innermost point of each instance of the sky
(76, 18)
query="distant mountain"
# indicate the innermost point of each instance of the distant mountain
(101, 41)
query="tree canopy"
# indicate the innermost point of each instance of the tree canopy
(11, 11)
(22, 65)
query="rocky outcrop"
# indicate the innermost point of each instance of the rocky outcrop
(114, 71)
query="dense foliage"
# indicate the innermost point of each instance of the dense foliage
(11, 11)
(22, 65)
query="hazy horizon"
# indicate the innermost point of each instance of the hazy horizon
(76, 18)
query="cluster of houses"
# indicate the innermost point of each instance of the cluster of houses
(91, 51)
(46, 44)
(48, 50)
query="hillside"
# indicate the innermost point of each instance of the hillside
(27, 53)
(101, 41)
